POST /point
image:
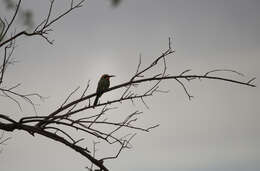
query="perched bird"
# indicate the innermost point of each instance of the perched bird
(103, 85)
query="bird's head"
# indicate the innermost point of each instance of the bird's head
(106, 76)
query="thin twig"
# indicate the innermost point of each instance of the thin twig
(12, 20)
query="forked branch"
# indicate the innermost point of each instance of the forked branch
(41, 29)
(73, 116)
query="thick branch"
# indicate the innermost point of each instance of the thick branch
(32, 129)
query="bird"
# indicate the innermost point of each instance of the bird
(103, 85)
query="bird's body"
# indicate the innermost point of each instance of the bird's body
(103, 85)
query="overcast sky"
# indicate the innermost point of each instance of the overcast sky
(218, 130)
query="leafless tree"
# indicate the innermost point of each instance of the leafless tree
(67, 118)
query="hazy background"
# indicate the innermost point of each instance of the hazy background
(218, 130)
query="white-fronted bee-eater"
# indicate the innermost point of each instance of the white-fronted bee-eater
(103, 85)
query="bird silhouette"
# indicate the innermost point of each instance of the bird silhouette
(103, 85)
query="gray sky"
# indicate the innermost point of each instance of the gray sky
(218, 130)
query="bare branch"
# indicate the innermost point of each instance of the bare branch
(177, 78)
(69, 96)
(185, 89)
(98, 116)
(60, 130)
(72, 7)
(61, 124)
(124, 145)
(2, 24)
(25, 97)
(53, 136)
(3, 140)
(6, 118)
(144, 103)
(12, 20)
(184, 72)
(6, 59)
(251, 80)
(49, 14)
(44, 27)
(219, 70)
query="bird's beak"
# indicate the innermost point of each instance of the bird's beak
(111, 75)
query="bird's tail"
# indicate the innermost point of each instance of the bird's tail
(96, 100)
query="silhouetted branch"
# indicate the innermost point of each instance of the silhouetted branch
(3, 139)
(2, 26)
(85, 124)
(11, 22)
(73, 116)
(123, 146)
(53, 136)
(134, 81)
(43, 28)
(6, 59)
(11, 94)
